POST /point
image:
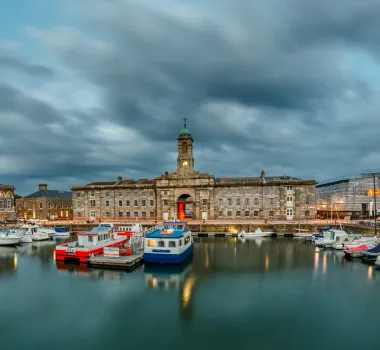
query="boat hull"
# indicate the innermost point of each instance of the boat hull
(9, 241)
(167, 258)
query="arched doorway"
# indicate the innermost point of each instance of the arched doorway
(185, 207)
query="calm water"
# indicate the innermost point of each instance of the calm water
(263, 294)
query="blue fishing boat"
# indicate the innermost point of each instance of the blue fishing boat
(371, 254)
(170, 243)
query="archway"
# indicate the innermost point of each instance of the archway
(185, 207)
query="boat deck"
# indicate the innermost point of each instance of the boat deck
(129, 262)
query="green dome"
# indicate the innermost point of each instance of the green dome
(185, 130)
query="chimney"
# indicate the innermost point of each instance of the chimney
(119, 178)
(42, 187)
(166, 173)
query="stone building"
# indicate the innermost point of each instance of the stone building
(354, 197)
(45, 205)
(190, 194)
(7, 205)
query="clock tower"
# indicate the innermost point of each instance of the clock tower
(185, 160)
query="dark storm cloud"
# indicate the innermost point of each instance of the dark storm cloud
(12, 62)
(267, 84)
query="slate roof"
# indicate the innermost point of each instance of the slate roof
(50, 194)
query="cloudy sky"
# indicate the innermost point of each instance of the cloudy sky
(93, 88)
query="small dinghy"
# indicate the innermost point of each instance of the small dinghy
(356, 252)
(61, 233)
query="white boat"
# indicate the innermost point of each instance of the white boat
(37, 233)
(7, 238)
(25, 238)
(303, 235)
(335, 235)
(257, 233)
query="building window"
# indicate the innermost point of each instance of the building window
(143, 214)
(61, 205)
(107, 194)
(220, 201)
(247, 201)
(289, 199)
(220, 213)
(55, 205)
(120, 214)
(307, 213)
(107, 203)
(127, 193)
(166, 202)
(229, 213)
(307, 200)
(151, 202)
(184, 148)
(136, 214)
(92, 213)
(92, 194)
(79, 214)
(238, 213)
(40, 205)
(289, 188)
(135, 193)
(66, 206)
(78, 194)
(271, 214)
(78, 204)
(127, 203)
(120, 203)
(127, 214)
(237, 201)
(107, 214)
(92, 203)
(1, 204)
(256, 213)
(204, 201)
(143, 194)
(256, 201)
(229, 201)
(135, 203)
(246, 213)
(151, 193)
(143, 202)
(271, 201)
(9, 204)
(151, 214)
(120, 194)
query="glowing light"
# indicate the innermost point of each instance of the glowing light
(154, 282)
(15, 262)
(370, 273)
(266, 262)
(188, 291)
(151, 243)
(54, 256)
(207, 262)
(324, 266)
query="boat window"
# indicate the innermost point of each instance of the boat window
(172, 244)
(161, 243)
(180, 242)
(90, 238)
(187, 240)
(151, 243)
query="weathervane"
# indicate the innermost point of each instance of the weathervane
(185, 120)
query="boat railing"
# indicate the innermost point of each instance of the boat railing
(137, 240)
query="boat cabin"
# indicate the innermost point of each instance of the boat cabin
(129, 230)
(97, 235)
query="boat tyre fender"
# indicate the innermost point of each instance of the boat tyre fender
(113, 236)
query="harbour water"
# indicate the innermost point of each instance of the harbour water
(266, 293)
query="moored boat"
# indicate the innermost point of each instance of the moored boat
(8, 239)
(170, 243)
(377, 262)
(25, 238)
(61, 233)
(37, 233)
(257, 233)
(90, 243)
(371, 255)
(356, 252)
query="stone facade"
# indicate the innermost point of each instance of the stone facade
(7, 204)
(45, 205)
(189, 194)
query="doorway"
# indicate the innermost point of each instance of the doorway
(289, 213)
(185, 207)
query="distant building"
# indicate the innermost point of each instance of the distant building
(349, 197)
(45, 205)
(190, 194)
(7, 204)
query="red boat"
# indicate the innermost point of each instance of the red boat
(356, 252)
(92, 243)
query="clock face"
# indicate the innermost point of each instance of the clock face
(185, 163)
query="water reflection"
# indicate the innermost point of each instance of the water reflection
(8, 260)
(84, 271)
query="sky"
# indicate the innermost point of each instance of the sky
(95, 88)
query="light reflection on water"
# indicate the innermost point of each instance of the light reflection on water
(231, 286)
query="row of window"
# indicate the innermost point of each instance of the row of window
(100, 237)
(121, 203)
(166, 243)
(247, 201)
(247, 213)
(8, 203)
(121, 194)
(50, 206)
(127, 214)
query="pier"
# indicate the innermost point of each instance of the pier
(129, 262)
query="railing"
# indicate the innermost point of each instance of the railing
(137, 239)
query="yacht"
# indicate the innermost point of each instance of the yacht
(8, 238)
(25, 238)
(170, 243)
(257, 233)
(37, 233)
